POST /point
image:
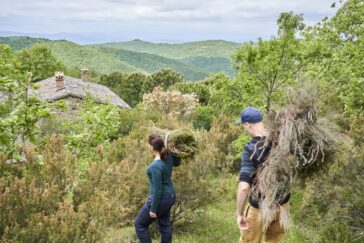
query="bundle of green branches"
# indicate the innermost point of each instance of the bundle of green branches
(181, 142)
(301, 144)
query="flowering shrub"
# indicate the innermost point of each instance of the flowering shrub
(171, 102)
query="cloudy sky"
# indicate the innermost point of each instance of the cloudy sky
(96, 21)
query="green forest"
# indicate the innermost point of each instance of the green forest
(194, 60)
(83, 178)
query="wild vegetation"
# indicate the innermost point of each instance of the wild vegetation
(83, 180)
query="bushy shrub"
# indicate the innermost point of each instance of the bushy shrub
(333, 208)
(120, 179)
(132, 118)
(222, 135)
(203, 117)
(88, 126)
(200, 88)
(173, 103)
(34, 203)
(118, 182)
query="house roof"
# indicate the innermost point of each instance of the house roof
(77, 88)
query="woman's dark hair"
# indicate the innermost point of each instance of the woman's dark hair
(158, 145)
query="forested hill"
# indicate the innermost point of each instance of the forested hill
(210, 48)
(194, 60)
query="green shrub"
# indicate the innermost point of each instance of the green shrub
(112, 192)
(333, 207)
(34, 203)
(203, 117)
(222, 135)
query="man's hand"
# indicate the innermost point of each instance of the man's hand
(152, 215)
(242, 222)
(243, 191)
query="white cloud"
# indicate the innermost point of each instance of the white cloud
(109, 16)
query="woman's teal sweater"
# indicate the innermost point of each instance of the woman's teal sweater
(160, 179)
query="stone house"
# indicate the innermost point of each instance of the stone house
(74, 90)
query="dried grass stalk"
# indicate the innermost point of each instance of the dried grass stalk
(301, 145)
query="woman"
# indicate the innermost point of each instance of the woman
(161, 193)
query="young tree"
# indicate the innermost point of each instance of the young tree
(277, 62)
(19, 110)
(226, 95)
(130, 87)
(164, 78)
(340, 67)
(39, 61)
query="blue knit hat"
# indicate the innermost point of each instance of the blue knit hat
(250, 115)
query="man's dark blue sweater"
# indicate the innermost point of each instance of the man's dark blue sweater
(253, 155)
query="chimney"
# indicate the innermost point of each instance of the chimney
(59, 76)
(84, 74)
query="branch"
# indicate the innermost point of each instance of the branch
(280, 61)
(237, 92)
(294, 73)
(258, 76)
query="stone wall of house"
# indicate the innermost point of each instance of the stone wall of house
(50, 126)
(73, 106)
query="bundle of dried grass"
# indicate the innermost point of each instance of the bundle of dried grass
(181, 142)
(301, 144)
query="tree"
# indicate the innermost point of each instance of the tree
(130, 87)
(94, 124)
(340, 67)
(164, 78)
(275, 63)
(200, 88)
(339, 72)
(39, 61)
(113, 80)
(226, 95)
(19, 109)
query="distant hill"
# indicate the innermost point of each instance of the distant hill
(194, 60)
(209, 48)
(211, 64)
(20, 42)
(73, 55)
(152, 63)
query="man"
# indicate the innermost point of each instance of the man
(255, 152)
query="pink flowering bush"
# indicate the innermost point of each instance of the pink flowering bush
(173, 102)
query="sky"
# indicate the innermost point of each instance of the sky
(173, 21)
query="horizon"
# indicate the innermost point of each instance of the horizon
(9, 34)
(106, 21)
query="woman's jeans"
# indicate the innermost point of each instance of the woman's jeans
(143, 220)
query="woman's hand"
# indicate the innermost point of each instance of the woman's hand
(152, 215)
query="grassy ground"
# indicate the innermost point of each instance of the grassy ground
(216, 223)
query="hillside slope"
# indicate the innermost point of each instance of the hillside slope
(152, 63)
(194, 60)
(209, 48)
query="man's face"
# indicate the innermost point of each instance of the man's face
(247, 128)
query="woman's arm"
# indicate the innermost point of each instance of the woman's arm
(176, 160)
(157, 188)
